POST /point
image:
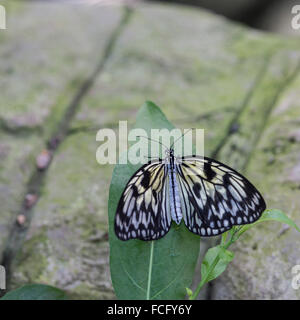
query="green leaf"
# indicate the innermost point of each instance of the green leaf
(271, 215)
(35, 292)
(214, 263)
(160, 269)
(189, 292)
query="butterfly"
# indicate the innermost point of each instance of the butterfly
(207, 195)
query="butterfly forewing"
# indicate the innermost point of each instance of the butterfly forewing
(144, 210)
(215, 197)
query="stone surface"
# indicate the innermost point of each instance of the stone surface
(47, 52)
(16, 166)
(67, 241)
(197, 67)
(204, 72)
(266, 254)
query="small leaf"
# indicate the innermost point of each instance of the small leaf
(35, 292)
(215, 263)
(189, 292)
(271, 215)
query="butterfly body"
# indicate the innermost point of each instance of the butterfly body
(174, 195)
(207, 195)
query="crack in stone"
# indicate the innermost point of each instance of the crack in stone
(233, 125)
(289, 79)
(18, 232)
(272, 105)
(23, 130)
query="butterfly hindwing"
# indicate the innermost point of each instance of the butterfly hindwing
(144, 210)
(215, 197)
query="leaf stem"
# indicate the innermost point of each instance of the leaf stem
(224, 238)
(213, 265)
(150, 271)
(203, 281)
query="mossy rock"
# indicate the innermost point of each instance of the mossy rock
(204, 72)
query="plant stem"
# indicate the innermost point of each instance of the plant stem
(203, 281)
(150, 270)
(224, 237)
(211, 268)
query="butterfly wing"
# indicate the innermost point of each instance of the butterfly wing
(143, 211)
(215, 197)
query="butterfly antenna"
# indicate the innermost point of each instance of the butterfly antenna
(154, 141)
(181, 137)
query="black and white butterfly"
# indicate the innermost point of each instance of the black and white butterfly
(209, 196)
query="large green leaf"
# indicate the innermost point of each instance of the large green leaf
(160, 269)
(35, 292)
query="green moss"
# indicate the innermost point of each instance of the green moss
(86, 292)
(34, 265)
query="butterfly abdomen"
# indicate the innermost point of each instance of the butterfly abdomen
(175, 203)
